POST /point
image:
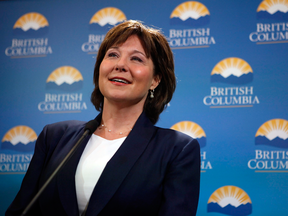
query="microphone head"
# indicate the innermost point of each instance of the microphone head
(91, 126)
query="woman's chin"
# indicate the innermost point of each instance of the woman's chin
(125, 101)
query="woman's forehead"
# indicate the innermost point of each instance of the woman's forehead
(120, 41)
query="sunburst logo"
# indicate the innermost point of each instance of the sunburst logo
(19, 138)
(232, 70)
(33, 21)
(191, 129)
(190, 12)
(230, 200)
(273, 9)
(273, 133)
(33, 25)
(108, 16)
(66, 77)
(193, 14)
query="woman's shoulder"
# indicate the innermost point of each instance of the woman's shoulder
(64, 130)
(175, 143)
(173, 134)
(176, 139)
(70, 126)
(67, 124)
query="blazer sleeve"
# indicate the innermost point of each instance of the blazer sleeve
(30, 183)
(182, 183)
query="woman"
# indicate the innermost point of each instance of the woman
(128, 166)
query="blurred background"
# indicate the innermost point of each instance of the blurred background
(232, 73)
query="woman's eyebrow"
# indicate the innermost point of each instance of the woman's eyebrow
(137, 51)
(134, 51)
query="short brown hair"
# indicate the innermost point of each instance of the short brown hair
(157, 48)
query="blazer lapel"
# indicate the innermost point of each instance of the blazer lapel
(66, 177)
(66, 181)
(120, 164)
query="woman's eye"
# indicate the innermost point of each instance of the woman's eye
(112, 55)
(137, 59)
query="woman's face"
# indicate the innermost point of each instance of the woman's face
(126, 74)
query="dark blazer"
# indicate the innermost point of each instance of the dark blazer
(156, 171)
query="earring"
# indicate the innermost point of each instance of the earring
(151, 93)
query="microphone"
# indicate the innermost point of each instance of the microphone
(90, 127)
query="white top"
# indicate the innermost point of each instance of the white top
(96, 154)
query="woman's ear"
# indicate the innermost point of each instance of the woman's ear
(155, 82)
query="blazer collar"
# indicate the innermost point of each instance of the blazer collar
(120, 164)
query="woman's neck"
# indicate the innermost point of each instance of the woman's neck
(117, 121)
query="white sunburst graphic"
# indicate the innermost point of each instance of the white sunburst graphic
(190, 9)
(273, 6)
(20, 134)
(232, 195)
(274, 128)
(190, 128)
(232, 66)
(65, 74)
(109, 15)
(32, 20)
(228, 199)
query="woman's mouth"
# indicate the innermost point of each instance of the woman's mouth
(119, 80)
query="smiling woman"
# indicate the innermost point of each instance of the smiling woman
(154, 47)
(127, 166)
(126, 75)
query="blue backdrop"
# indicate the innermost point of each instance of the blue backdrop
(231, 67)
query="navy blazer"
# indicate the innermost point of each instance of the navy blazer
(155, 171)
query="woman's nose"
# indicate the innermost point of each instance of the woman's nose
(121, 65)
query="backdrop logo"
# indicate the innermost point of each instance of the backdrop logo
(194, 130)
(17, 140)
(191, 13)
(33, 21)
(102, 20)
(273, 9)
(23, 46)
(108, 16)
(273, 133)
(230, 200)
(269, 32)
(67, 79)
(231, 71)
